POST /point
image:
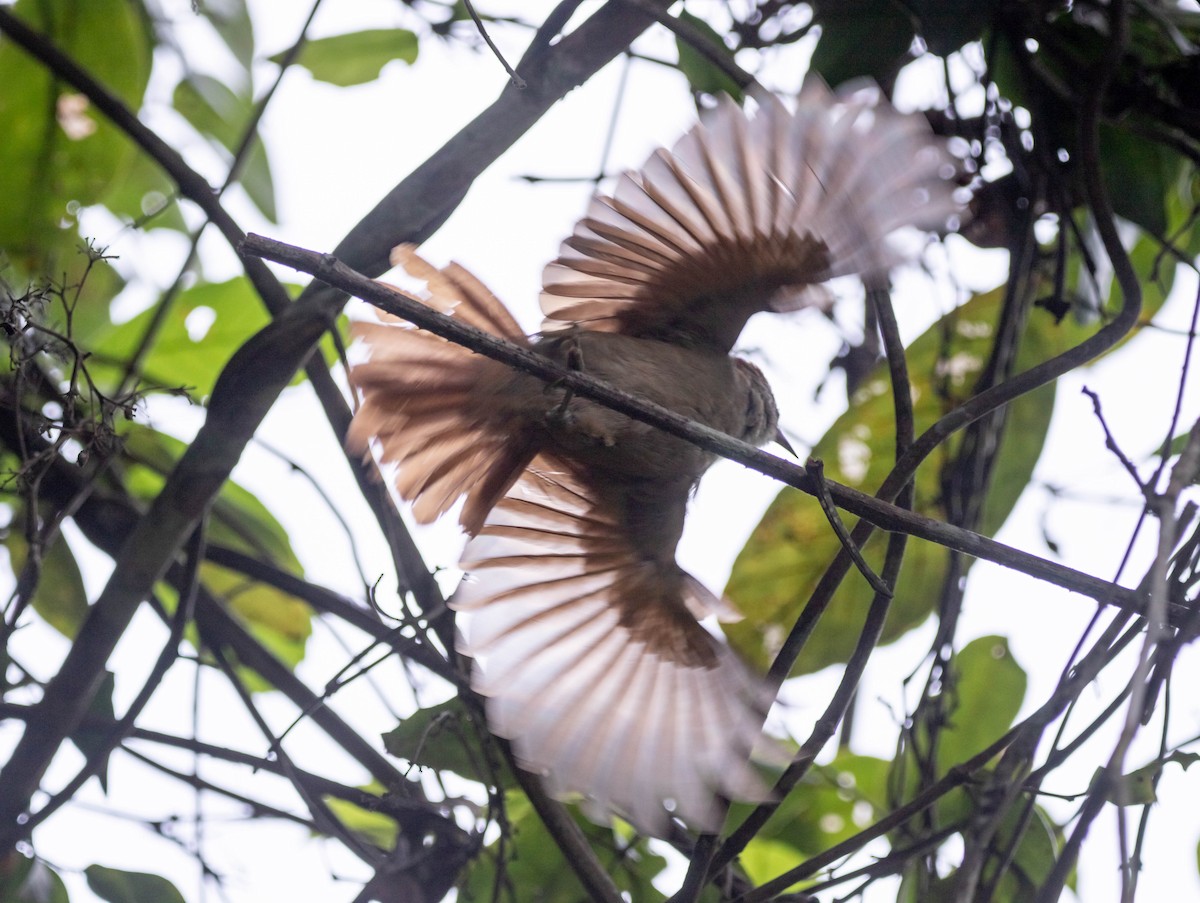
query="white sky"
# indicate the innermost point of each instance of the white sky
(334, 153)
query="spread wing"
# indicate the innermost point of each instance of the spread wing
(750, 213)
(594, 664)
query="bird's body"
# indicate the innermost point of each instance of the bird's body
(585, 631)
(701, 384)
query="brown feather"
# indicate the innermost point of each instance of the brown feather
(586, 633)
(744, 213)
(431, 405)
(587, 645)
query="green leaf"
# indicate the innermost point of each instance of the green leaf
(146, 196)
(280, 621)
(92, 283)
(90, 740)
(119, 886)
(231, 19)
(57, 150)
(1177, 445)
(988, 687)
(861, 37)
(702, 74)
(1035, 856)
(443, 737)
(765, 859)
(212, 108)
(1138, 787)
(793, 544)
(1156, 276)
(533, 864)
(60, 597)
(215, 110)
(26, 880)
(184, 353)
(374, 827)
(355, 58)
(256, 178)
(1140, 174)
(832, 803)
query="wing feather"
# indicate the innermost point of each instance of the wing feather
(594, 665)
(751, 212)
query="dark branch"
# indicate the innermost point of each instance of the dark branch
(329, 269)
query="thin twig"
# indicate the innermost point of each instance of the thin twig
(815, 468)
(1110, 441)
(516, 80)
(700, 42)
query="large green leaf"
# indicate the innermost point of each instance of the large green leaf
(783, 560)
(231, 19)
(26, 880)
(443, 738)
(1140, 786)
(146, 196)
(280, 621)
(60, 597)
(217, 111)
(702, 74)
(861, 37)
(1140, 174)
(1034, 854)
(358, 57)
(119, 886)
(185, 353)
(374, 827)
(213, 108)
(57, 151)
(89, 283)
(987, 687)
(533, 868)
(832, 803)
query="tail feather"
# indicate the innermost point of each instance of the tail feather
(429, 404)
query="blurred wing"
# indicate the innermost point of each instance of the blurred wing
(744, 213)
(425, 400)
(595, 667)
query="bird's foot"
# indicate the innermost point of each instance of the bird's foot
(560, 416)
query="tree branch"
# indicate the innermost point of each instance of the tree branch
(265, 364)
(881, 513)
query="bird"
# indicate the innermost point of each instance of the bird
(586, 636)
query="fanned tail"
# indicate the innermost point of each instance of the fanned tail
(431, 404)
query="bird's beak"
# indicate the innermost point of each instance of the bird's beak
(780, 439)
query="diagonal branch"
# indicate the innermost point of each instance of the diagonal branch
(876, 511)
